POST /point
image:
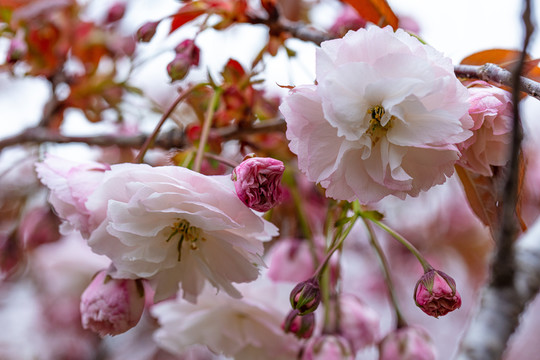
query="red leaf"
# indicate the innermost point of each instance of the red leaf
(375, 11)
(187, 13)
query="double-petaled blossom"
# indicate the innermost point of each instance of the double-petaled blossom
(407, 343)
(243, 329)
(384, 118)
(112, 306)
(257, 182)
(435, 293)
(71, 183)
(167, 224)
(491, 111)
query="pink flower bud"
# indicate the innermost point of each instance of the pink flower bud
(116, 12)
(359, 323)
(435, 293)
(187, 55)
(300, 325)
(112, 306)
(257, 182)
(147, 31)
(491, 110)
(327, 347)
(408, 343)
(16, 51)
(306, 296)
(39, 226)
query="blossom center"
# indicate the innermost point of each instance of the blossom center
(375, 129)
(185, 233)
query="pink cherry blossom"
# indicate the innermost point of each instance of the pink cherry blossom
(369, 128)
(257, 182)
(435, 293)
(359, 323)
(70, 184)
(175, 226)
(491, 111)
(112, 306)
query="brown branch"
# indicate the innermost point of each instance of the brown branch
(297, 30)
(175, 138)
(38, 135)
(494, 73)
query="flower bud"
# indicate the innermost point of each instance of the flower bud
(435, 293)
(116, 12)
(327, 347)
(39, 226)
(408, 343)
(257, 182)
(147, 31)
(359, 323)
(187, 55)
(16, 51)
(112, 306)
(306, 296)
(301, 326)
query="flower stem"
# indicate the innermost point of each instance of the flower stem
(425, 264)
(144, 148)
(400, 320)
(206, 129)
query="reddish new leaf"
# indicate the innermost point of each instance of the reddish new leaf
(187, 13)
(375, 11)
(503, 57)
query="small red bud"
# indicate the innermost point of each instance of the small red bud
(306, 296)
(301, 326)
(116, 12)
(147, 31)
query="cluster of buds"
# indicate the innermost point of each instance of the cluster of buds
(436, 294)
(257, 182)
(187, 55)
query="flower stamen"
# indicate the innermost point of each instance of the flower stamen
(375, 129)
(188, 233)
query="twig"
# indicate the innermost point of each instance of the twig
(148, 141)
(494, 73)
(298, 30)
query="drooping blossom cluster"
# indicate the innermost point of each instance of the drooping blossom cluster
(166, 224)
(384, 118)
(491, 111)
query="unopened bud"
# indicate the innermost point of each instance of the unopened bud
(39, 226)
(407, 343)
(301, 326)
(306, 296)
(116, 12)
(187, 55)
(327, 347)
(112, 306)
(257, 182)
(147, 31)
(436, 294)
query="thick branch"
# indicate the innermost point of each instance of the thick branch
(494, 73)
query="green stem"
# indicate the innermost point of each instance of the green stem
(400, 320)
(425, 264)
(206, 129)
(149, 140)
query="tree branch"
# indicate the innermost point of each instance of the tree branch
(175, 138)
(494, 73)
